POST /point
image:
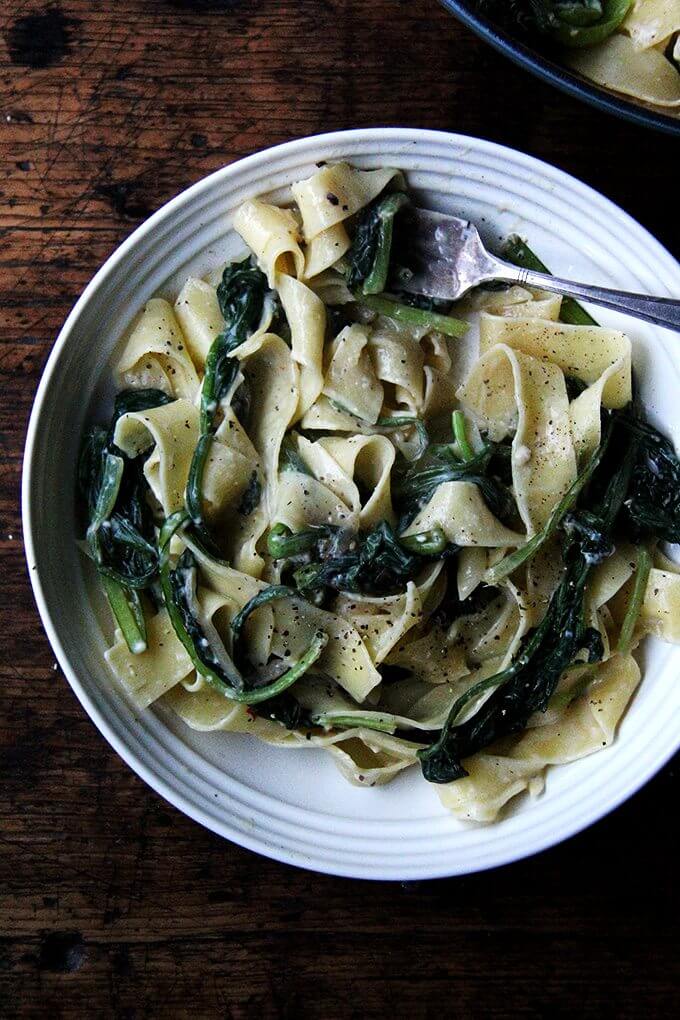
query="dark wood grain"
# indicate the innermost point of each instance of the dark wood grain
(111, 903)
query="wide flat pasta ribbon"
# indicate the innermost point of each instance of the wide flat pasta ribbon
(156, 354)
(335, 193)
(173, 428)
(383, 621)
(588, 725)
(306, 316)
(273, 235)
(350, 380)
(461, 513)
(511, 390)
(273, 380)
(644, 74)
(652, 22)
(147, 676)
(582, 351)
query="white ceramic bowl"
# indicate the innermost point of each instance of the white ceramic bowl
(293, 805)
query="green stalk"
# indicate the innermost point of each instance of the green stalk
(112, 474)
(460, 435)
(426, 543)
(562, 699)
(193, 496)
(642, 570)
(479, 688)
(126, 607)
(220, 371)
(170, 526)
(248, 697)
(331, 721)
(410, 316)
(306, 661)
(515, 559)
(282, 543)
(271, 594)
(520, 254)
(376, 280)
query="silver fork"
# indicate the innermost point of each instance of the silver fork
(446, 257)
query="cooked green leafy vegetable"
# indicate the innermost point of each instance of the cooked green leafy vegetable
(120, 528)
(128, 613)
(241, 294)
(282, 543)
(204, 644)
(369, 563)
(416, 482)
(369, 255)
(379, 721)
(653, 504)
(199, 636)
(460, 435)
(425, 543)
(263, 598)
(374, 563)
(132, 401)
(252, 494)
(289, 458)
(285, 709)
(515, 559)
(587, 23)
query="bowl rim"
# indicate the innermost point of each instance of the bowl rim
(305, 145)
(559, 76)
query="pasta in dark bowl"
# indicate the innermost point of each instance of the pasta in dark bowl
(619, 55)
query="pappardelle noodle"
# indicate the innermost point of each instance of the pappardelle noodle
(324, 514)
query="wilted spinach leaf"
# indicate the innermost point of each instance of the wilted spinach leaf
(369, 255)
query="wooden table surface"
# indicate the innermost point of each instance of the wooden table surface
(112, 904)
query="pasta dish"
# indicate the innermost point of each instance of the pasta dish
(330, 514)
(628, 46)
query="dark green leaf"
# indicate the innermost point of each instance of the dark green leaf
(252, 495)
(131, 401)
(241, 295)
(211, 656)
(524, 687)
(372, 563)
(285, 709)
(369, 255)
(653, 504)
(120, 527)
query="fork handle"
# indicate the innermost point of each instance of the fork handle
(660, 311)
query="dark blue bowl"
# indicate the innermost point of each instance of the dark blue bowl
(560, 76)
